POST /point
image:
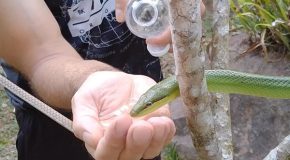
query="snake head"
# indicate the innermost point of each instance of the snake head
(156, 97)
(145, 104)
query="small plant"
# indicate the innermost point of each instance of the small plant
(267, 20)
(170, 153)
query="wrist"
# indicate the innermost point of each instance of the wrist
(56, 81)
(87, 69)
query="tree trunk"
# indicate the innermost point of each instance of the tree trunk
(219, 58)
(186, 26)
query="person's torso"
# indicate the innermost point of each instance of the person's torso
(91, 28)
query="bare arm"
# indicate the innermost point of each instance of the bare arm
(31, 41)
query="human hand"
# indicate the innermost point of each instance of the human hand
(160, 40)
(165, 37)
(100, 118)
(120, 9)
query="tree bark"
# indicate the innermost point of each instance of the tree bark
(186, 27)
(219, 59)
(281, 152)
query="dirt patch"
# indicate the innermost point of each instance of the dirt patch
(258, 124)
(8, 129)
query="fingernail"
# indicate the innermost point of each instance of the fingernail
(119, 15)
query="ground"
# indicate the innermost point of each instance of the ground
(8, 129)
(258, 124)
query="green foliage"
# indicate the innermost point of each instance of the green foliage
(170, 153)
(267, 18)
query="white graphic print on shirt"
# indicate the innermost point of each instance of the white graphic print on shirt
(94, 22)
(88, 14)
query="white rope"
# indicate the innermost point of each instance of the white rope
(36, 103)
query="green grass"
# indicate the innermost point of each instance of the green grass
(170, 153)
(266, 20)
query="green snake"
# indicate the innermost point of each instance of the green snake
(222, 81)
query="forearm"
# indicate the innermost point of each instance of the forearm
(31, 41)
(57, 79)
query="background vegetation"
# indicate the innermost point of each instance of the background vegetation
(266, 20)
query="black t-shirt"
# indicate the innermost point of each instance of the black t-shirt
(90, 26)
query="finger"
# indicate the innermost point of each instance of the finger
(120, 10)
(163, 39)
(88, 130)
(85, 124)
(161, 131)
(162, 111)
(172, 129)
(114, 140)
(90, 149)
(138, 139)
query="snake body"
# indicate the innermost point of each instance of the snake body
(221, 81)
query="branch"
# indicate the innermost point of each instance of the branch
(185, 20)
(281, 152)
(219, 60)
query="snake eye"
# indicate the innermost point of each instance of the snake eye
(149, 104)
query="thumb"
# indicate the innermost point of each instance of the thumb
(88, 129)
(163, 39)
(120, 10)
(86, 125)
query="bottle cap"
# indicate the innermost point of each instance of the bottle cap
(158, 51)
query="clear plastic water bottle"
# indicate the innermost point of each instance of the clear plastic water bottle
(148, 18)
